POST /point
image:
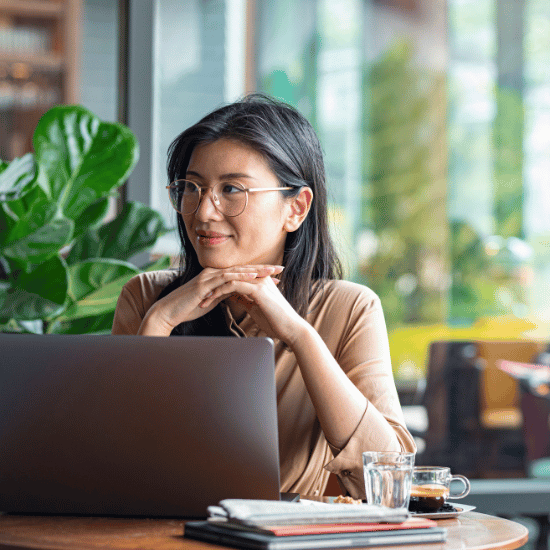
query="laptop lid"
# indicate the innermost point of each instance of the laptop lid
(134, 425)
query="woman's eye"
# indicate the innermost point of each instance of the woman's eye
(189, 187)
(229, 189)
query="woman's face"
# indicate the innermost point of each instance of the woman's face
(257, 236)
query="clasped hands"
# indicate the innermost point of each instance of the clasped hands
(252, 286)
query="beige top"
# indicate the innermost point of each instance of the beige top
(350, 320)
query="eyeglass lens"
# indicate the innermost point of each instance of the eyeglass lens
(229, 198)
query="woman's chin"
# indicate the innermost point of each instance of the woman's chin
(214, 264)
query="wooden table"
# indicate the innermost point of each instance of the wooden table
(470, 531)
(512, 498)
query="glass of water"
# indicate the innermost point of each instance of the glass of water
(388, 478)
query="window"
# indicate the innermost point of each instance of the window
(434, 121)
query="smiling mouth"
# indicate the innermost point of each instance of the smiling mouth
(211, 239)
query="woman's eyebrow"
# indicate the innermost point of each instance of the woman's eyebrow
(232, 175)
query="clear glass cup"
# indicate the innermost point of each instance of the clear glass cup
(388, 478)
(431, 487)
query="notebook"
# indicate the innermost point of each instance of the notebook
(135, 426)
(218, 534)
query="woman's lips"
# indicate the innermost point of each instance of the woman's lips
(211, 239)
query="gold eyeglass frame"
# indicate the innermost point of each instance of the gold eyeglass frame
(215, 198)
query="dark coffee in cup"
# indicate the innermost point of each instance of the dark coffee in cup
(427, 498)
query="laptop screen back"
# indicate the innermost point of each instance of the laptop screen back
(132, 425)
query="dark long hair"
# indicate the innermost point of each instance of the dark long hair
(292, 150)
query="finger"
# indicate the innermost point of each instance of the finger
(274, 269)
(231, 285)
(210, 303)
(262, 268)
(226, 277)
(210, 273)
(224, 291)
(244, 301)
(243, 272)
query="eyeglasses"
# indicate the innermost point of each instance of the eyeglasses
(230, 198)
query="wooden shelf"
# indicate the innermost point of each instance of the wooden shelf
(33, 8)
(40, 44)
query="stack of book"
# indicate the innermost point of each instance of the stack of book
(302, 527)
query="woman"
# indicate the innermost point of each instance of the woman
(248, 182)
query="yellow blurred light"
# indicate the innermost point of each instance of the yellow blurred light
(20, 70)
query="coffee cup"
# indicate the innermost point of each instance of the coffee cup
(388, 477)
(431, 487)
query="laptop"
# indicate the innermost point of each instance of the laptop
(134, 425)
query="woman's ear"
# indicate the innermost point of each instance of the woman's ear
(299, 208)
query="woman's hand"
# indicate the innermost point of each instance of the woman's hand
(198, 296)
(264, 302)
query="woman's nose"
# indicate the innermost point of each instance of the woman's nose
(207, 205)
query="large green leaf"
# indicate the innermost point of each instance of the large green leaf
(17, 177)
(91, 217)
(81, 158)
(12, 210)
(36, 295)
(162, 263)
(39, 233)
(23, 327)
(6, 223)
(134, 230)
(19, 207)
(95, 286)
(10, 267)
(98, 324)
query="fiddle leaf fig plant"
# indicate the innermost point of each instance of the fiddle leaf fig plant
(62, 266)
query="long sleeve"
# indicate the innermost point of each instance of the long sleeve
(136, 297)
(364, 356)
(350, 320)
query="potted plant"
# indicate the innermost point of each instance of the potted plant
(62, 266)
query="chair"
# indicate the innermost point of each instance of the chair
(536, 429)
(474, 417)
(450, 397)
(481, 422)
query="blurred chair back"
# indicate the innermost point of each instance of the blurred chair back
(474, 416)
(536, 426)
(451, 399)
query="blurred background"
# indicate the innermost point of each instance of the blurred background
(434, 116)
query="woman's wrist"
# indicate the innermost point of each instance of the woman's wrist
(302, 336)
(154, 324)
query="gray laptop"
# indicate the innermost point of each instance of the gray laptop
(135, 426)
